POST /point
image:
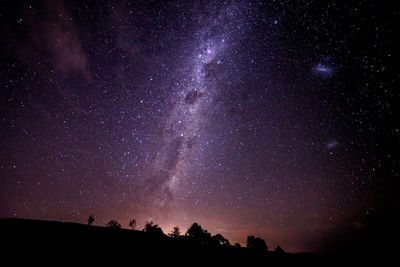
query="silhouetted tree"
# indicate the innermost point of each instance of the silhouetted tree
(237, 245)
(132, 224)
(90, 220)
(113, 224)
(219, 240)
(175, 233)
(256, 243)
(152, 229)
(195, 231)
(197, 234)
(279, 250)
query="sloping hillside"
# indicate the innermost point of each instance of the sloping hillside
(28, 242)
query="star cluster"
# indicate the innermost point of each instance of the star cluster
(271, 118)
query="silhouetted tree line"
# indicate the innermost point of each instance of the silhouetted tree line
(195, 235)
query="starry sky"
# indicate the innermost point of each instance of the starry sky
(270, 118)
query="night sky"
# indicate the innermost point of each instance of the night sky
(270, 118)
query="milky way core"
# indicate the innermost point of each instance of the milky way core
(192, 96)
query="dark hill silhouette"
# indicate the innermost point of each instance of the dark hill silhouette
(31, 242)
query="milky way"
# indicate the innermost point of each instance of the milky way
(272, 119)
(190, 100)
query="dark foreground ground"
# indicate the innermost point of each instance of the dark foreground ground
(33, 242)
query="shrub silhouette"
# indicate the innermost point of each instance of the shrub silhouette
(90, 220)
(153, 229)
(132, 224)
(278, 250)
(113, 224)
(175, 233)
(256, 243)
(237, 245)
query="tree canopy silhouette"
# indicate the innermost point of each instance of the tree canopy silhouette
(175, 233)
(219, 240)
(113, 224)
(256, 243)
(237, 245)
(153, 229)
(199, 235)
